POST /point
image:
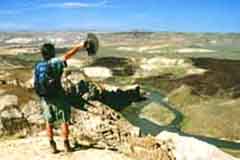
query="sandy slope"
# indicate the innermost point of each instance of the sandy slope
(36, 148)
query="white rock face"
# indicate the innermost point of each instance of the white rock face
(192, 50)
(199, 71)
(20, 40)
(123, 88)
(188, 148)
(98, 72)
(158, 65)
(57, 40)
(8, 101)
(76, 63)
(146, 49)
(126, 49)
(158, 62)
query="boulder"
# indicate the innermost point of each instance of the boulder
(148, 148)
(189, 148)
(8, 101)
(28, 84)
(11, 113)
(32, 111)
(12, 120)
(101, 126)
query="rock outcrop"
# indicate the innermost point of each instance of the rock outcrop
(148, 148)
(98, 127)
(102, 127)
(11, 118)
(189, 148)
(94, 125)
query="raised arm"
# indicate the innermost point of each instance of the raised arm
(73, 51)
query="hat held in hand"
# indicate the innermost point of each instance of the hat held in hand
(92, 44)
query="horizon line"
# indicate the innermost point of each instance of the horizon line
(114, 31)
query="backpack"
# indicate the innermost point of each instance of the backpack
(46, 82)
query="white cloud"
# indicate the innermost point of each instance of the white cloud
(77, 4)
(67, 5)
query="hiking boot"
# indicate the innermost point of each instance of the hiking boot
(53, 146)
(67, 146)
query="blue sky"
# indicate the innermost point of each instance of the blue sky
(121, 15)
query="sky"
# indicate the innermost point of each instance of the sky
(120, 15)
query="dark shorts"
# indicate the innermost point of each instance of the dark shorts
(56, 110)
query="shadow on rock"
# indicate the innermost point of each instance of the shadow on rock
(120, 99)
(80, 94)
(120, 66)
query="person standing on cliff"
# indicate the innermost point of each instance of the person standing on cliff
(47, 84)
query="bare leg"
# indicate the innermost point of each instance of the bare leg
(49, 129)
(65, 135)
(50, 134)
(65, 131)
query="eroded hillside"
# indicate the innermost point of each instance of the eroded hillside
(190, 82)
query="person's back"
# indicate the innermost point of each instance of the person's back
(48, 75)
(47, 84)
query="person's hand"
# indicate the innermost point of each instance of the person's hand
(81, 45)
(86, 44)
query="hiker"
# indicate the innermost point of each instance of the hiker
(47, 84)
